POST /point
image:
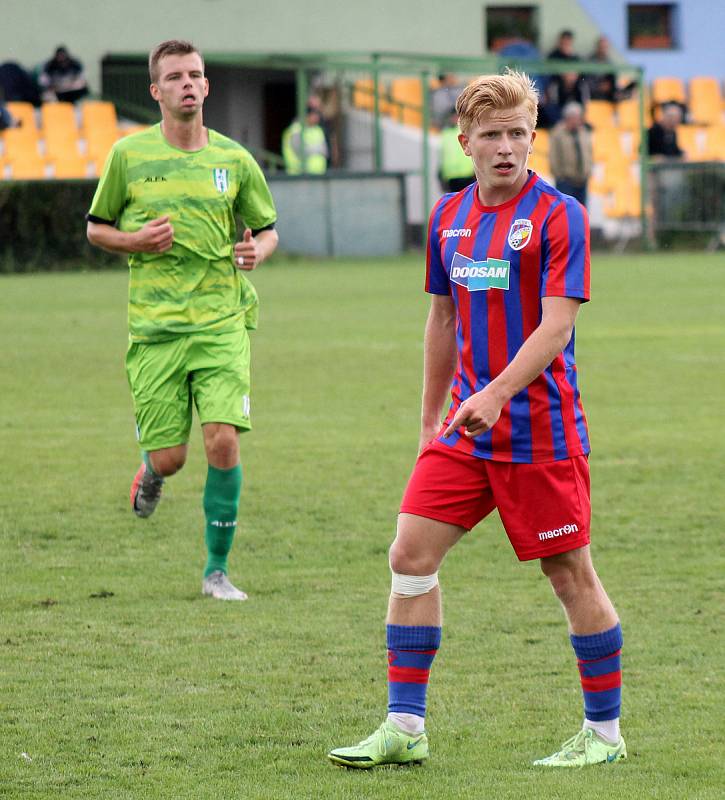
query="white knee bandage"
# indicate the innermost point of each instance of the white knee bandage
(413, 585)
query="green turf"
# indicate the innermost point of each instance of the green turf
(118, 680)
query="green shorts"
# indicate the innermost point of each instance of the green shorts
(212, 370)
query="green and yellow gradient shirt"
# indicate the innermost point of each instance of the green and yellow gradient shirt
(195, 286)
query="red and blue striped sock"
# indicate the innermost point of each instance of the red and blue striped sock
(411, 650)
(600, 669)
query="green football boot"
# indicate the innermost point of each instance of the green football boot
(388, 745)
(583, 749)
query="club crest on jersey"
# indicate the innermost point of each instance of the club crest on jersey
(480, 276)
(520, 233)
(221, 179)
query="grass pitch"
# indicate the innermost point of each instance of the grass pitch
(118, 680)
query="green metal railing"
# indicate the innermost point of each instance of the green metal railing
(122, 85)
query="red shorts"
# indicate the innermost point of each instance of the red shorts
(545, 508)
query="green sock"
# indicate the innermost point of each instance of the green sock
(147, 461)
(221, 505)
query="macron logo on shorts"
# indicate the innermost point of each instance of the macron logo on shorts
(556, 532)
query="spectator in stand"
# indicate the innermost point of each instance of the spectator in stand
(662, 136)
(443, 99)
(17, 85)
(604, 86)
(315, 102)
(455, 170)
(562, 90)
(566, 87)
(564, 50)
(304, 149)
(570, 153)
(62, 78)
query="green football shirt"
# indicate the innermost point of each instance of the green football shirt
(194, 286)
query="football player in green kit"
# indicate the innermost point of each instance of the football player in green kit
(168, 198)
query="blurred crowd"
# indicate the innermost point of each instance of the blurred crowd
(60, 78)
(563, 99)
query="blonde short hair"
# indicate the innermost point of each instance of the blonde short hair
(172, 47)
(496, 93)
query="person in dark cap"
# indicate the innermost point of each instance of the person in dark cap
(62, 78)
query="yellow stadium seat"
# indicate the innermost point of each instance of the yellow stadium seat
(705, 101)
(607, 145)
(598, 183)
(610, 176)
(541, 142)
(70, 167)
(628, 114)
(18, 142)
(624, 202)
(408, 93)
(58, 116)
(99, 143)
(27, 168)
(691, 139)
(665, 90)
(714, 143)
(60, 142)
(539, 163)
(24, 112)
(630, 143)
(363, 97)
(362, 94)
(600, 114)
(98, 115)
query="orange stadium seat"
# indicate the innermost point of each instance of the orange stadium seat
(408, 92)
(70, 166)
(607, 145)
(624, 202)
(630, 143)
(362, 94)
(628, 114)
(97, 165)
(600, 114)
(27, 167)
(715, 143)
(666, 90)
(98, 115)
(100, 142)
(58, 115)
(541, 142)
(705, 101)
(691, 139)
(60, 142)
(607, 177)
(19, 142)
(539, 163)
(23, 112)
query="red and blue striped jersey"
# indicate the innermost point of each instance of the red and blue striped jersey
(497, 263)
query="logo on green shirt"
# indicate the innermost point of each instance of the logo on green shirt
(221, 179)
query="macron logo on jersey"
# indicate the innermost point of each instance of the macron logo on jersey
(480, 276)
(460, 233)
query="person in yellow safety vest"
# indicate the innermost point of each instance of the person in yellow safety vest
(311, 142)
(455, 167)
